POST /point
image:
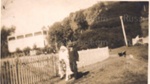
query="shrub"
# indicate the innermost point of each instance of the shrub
(27, 50)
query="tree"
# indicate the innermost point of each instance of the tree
(26, 50)
(67, 30)
(34, 47)
(81, 20)
(18, 50)
(55, 34)
(4, 44)
(59, 34)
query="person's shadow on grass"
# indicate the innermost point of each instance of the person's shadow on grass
(82, 74)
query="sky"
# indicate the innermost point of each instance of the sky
(32, 15)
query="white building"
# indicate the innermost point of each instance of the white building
(27, 40)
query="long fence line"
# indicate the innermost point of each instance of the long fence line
(28, 70)
(36, 69)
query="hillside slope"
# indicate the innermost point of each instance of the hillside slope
(100, 25)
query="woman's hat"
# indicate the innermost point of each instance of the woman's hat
(62, 48)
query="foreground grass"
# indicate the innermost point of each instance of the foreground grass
(115, 70)
(119, 70)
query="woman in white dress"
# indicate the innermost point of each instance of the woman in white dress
(64, 60)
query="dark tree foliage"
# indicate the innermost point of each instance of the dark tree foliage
(80, 19)
(27, 50)
(60, 34)
(101, 38)
(18, 50)
(131, 12)
(4, 44)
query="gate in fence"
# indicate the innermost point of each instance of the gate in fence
(28, 70)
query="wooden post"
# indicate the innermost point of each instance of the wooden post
(2, 71)
(144, 8)
(124, 33)
(8, 71)
(5, 70)
(14, 71)
(56, 44)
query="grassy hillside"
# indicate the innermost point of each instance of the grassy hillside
(89, 28)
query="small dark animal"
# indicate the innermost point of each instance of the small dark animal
(122, 54)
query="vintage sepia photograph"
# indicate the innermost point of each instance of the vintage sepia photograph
(74, 42)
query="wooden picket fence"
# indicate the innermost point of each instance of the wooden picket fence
(28, 70)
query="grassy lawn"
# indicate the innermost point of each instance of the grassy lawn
(115, 69)
(119, 70)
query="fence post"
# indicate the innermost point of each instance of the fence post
(8, 72)
(10, 69)
(17, 70)
(54, 64)
(4, 73)
(14, 72)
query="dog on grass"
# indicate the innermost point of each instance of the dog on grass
(122, 54)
